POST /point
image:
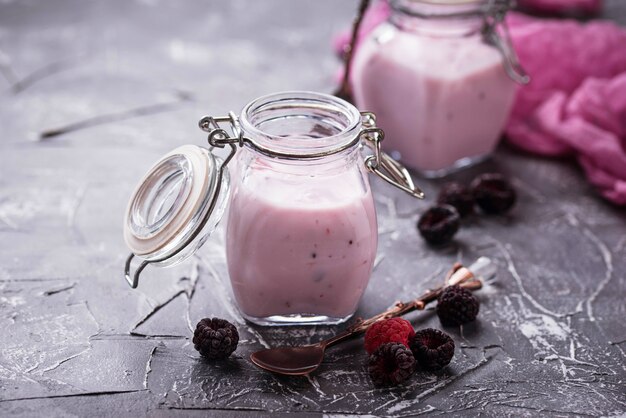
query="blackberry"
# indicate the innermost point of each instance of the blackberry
(439, 224)
(457, 306)
(493, 193)
(457, 195)
(432, 348)
(391, 364)
(215, 338)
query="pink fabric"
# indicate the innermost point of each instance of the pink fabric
(563, 6)
(576, 102)
(592, 121)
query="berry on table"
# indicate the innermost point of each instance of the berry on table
(215, 338)
(493, 193)
(433, 349)
(390, 364)
(457, 306)
(397, 330)
(457, 195)
(439, 224)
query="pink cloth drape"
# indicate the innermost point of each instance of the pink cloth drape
(576, 102)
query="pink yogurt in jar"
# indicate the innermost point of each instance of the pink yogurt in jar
(298, 250)
(439, 91)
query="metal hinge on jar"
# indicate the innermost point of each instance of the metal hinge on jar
(380, 163)
(494, 20)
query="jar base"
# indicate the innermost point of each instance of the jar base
(296, 319)
(456, 166)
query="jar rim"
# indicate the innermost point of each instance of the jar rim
(340, 119)
(446, 8)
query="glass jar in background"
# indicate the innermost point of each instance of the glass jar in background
(301, 235)
(440, 79)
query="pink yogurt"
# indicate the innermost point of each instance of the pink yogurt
(442, 101)
(297, 247)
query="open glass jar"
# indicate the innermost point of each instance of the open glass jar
(440, 76)
(301, 234)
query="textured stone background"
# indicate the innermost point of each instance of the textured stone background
(91, 93)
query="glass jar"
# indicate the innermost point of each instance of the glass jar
(440, 79)
(301, 234)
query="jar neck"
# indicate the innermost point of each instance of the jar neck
(439, 18)
(331, 165)
(301, 126)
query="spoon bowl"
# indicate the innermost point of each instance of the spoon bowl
(293, 361)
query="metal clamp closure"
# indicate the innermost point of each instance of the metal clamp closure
(381, 163)
(494, 19)
(218, 137)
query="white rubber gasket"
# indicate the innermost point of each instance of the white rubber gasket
(201, 165)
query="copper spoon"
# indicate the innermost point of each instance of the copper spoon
(302, 360)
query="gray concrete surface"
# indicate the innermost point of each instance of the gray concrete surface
(91, 93)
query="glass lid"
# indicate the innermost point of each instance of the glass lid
(176, 205)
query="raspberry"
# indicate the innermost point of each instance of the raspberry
(391, 364)
(439, 224)
(493, 193)
(393, 330)
(432, 348)
(457, 306)
(215, 338)
(457, 195)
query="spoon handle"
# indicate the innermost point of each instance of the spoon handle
(457, 275)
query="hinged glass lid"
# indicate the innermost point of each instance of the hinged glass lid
(175, 207)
